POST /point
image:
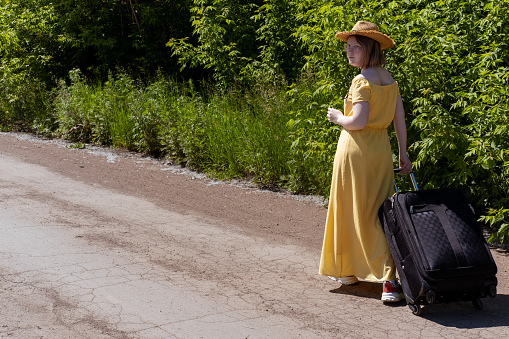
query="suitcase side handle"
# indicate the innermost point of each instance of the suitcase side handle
(414, 183)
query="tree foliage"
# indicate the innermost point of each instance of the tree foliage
(31, 50)
(128, 34)
(242, 42)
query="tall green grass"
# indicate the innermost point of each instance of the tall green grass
(242, 133)
(247, 134)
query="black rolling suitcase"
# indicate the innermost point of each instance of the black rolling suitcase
(439, 249)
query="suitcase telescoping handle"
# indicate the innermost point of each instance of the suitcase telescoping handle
(396, 170)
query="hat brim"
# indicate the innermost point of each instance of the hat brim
(384, 40)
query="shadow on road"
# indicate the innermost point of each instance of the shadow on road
(495, 313)
(463, 315)
(363, 289)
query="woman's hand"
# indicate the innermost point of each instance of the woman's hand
(356, 121)
(333, 115)
(405, 165)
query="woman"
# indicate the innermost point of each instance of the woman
(354, 244)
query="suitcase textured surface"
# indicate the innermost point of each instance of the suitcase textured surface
(439, 249)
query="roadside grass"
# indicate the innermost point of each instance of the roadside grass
(240, 133)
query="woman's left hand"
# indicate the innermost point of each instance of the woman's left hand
(333, 114)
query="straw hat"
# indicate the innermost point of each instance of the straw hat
(369, 30)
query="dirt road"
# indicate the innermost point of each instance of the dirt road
(106, 244)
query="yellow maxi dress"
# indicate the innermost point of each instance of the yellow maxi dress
(354, 243)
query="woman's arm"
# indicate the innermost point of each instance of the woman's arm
(405, 164)
(358, 120)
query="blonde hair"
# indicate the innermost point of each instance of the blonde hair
(372, 53)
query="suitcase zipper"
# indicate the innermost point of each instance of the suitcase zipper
(420, 260)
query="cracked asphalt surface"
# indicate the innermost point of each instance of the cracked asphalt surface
(98, 243)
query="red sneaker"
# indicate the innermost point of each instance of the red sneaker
(391, 291)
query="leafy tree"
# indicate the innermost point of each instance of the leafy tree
(126, 34)
(280, 54)
(30, 38)
(32, 51)
(225, 35)
(242, 42)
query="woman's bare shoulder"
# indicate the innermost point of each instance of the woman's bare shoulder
(378, 75)
(360, 77)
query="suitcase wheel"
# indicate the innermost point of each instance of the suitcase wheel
(430, 296)
(415, 308)
(477, 303)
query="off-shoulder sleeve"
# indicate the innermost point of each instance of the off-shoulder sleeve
(360, 90)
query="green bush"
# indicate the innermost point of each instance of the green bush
(29, 42)
(119, 112)
(24, 100)
(242, 42)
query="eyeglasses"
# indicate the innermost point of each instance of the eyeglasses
(354, 48)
